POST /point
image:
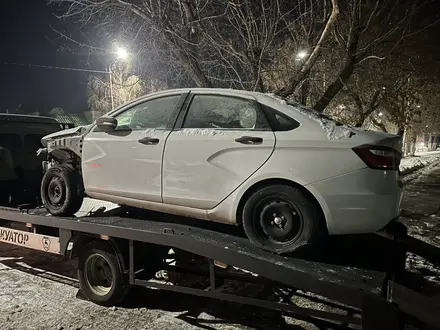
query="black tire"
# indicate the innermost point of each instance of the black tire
(62, 190)
(281, 219)
(100, 274)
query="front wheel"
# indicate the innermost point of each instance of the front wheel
(281, 219)
(62, 190)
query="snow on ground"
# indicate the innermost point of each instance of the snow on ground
(92, 205)
(37, 290)
(421, 214)
(420, 160)
(38, 293)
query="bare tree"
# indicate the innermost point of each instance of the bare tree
(368, 30)
(125, 87)
(311, 57)
(307, 49)
(357, 101)
(246, 41)
(172, 24)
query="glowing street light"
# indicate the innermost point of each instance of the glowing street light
(380, 114)
(121, 53)
(301, 55)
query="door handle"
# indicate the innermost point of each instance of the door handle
(249, 140)
(149, 140)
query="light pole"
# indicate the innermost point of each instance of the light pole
(121, 54)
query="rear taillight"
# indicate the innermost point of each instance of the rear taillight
(379, 157)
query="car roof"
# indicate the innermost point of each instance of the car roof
(18, 118)
(202, 90)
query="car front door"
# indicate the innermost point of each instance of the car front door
(222, 141)
(127, 162)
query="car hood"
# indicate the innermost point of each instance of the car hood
(76, 131)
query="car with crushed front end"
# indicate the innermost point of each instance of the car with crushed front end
(286, 173)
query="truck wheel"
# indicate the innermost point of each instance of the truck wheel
(62, 190)
(281, 219)
(100, 275)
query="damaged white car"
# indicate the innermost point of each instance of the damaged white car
(285, 173)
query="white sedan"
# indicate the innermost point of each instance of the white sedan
(286, 173)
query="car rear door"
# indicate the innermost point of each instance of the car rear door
(221, 141)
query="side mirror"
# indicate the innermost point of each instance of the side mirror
(106, 124)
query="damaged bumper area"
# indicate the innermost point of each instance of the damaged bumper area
(67, 140)
(42, 152)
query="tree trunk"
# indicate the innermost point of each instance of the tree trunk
(304, 92)
(189, 62)
(379, 125)
(294, 81)
(194, 71)
(334, 88)
(409, 139)
(258, 84)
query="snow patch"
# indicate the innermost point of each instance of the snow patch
(203, 132)
(149, 130)
(334, 131)
(411, 164)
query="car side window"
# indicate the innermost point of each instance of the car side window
(224, 112)
(154, 113)
(12, 142)
(279, 121)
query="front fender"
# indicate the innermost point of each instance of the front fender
(69, 143)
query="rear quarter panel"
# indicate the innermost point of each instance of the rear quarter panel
(301, 156)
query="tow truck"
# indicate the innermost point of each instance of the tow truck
(119, 249)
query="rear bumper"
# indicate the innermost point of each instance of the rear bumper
(363, 201)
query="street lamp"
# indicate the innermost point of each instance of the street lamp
(301, 55)
(121, 54)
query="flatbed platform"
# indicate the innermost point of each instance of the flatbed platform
(345, 284)
(369, 291)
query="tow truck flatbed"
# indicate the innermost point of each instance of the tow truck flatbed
(363, 289)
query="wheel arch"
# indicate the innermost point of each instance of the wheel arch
(274, 181)
(63, 155)
(81, 240)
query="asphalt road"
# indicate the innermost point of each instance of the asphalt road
(37, 290)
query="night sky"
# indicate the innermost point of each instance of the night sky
(27, 38)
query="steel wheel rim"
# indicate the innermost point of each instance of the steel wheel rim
(98, 274)
(277, 221)
(56, 192)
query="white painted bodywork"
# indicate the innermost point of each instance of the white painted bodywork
(204, 173)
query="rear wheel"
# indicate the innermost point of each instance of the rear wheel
(100, 275)
(62, 191)
(281, 219)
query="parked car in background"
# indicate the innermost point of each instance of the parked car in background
(286, 173)
(20, 167)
